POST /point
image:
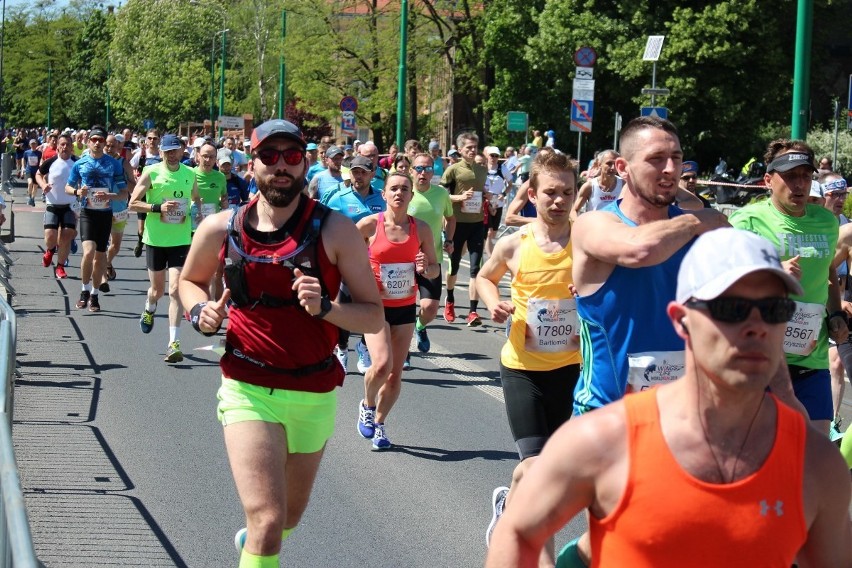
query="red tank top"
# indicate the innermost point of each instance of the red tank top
(284, 337)
(668, 518)
(393, 264)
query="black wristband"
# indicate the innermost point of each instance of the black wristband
(156, 208)
(841, 314)
(194, 314)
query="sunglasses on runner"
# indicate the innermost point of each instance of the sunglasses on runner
(421, 169)
(735, 310)
(270, 156)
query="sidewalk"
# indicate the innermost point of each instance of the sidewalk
(75, 489)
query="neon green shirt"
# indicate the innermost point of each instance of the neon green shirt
(172, 230)
(431, 206)
(812, 237)
(212, 187)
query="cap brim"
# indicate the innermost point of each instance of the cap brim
(718, 285)
(786, 167)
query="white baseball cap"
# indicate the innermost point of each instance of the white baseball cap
(489, 150)
(719, 258)
(816, 189)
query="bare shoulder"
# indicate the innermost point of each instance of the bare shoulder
(592, 223)
(845, 236)
(337, 227)
(599, 437)
(825, 469)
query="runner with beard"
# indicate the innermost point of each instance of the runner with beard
(278, 397)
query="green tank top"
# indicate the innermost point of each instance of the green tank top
(175, 229)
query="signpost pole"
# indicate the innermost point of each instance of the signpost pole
(579, 149)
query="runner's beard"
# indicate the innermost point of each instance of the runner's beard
(280, 197)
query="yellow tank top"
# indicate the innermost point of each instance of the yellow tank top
(543, 335)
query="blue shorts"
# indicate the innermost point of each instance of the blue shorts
(814, 391)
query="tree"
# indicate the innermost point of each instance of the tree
(88, 70)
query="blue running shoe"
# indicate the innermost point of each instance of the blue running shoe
(146, 321)
(406, 365)
(380, 440)
(423, 343)
(366, 419)
(364, 361)
(240, 539)
(74, 247)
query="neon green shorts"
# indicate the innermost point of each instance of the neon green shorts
(307, 417)
(118, 226)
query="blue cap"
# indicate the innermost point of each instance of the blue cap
(170, 142)
(348, 147)
(549, 133)
(311, 146)
(690, 167)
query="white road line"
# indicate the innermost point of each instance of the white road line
(467, 371)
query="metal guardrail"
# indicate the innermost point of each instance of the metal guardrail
(16, 541)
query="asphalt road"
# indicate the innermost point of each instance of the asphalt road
(123, 463)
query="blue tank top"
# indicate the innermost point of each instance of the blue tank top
(625, 335)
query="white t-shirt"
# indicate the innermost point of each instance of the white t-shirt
(57, 176)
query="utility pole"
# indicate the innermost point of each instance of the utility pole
(222, 79)
(49, 93)
(802, 69)
(282, 71)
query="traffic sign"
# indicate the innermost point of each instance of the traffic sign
(585, 57)
(661, 92)
(347, 123)
(148, 123)
(581, 115)
(584, 72)
(517, 121)
(584, 90)
(653, 48)
(348, 104)
(657, 112)
(231, 122)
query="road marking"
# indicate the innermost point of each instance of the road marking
(467, 371)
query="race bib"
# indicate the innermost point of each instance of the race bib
(76, 206)
(32, 161)
(120, 216)
(474, 204)
(177, 215)
(208, 209)
(803, 329)
(398, 279)
(95, 203)
(552, 325)
(654, 368)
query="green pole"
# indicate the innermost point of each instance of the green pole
(49, 93)
(222, 79)
(802, 69)
(107, 95)
(401, 90)
(282, 72)
(212, 82)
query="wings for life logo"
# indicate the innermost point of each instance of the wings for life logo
(552, 313)
(649, 369)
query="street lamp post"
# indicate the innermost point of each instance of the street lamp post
(107, 94)
(213, 77)
(403, 70)
(2, 41)
(49, 93)
(282, 72)
(222, 79)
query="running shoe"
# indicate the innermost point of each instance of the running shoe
(498, 503)
(342, 356)
(450, 312)
(473, 320)
(406, 365)
(110, 272)
(84, 299)
(834, 432)
(366, 420)
(31, 202)
(240, 539)
(146, 321)
(73, 249)
(104, 287)
(65, 264)
(364, 361)
(423, 343)
(173, 353)
(47, 258)
(60, 273)
(94, 303)
(137, 250)
(380, 440)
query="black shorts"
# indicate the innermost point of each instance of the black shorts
(472, 235)
(430, 288)
(537, 403)
(96, 225)
(401, 315)
(494, 220)
(31, 175)
(56, 216)
(160, 258)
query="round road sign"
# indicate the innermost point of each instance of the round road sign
(585, 57)
(348, 104)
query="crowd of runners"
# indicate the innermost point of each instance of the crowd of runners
(622, 279)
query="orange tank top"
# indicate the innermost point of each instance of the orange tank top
(393, 264)
(668, 518)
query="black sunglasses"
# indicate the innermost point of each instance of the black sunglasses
(270, 156)
(735, 310)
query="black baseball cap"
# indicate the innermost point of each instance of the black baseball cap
(362, 162)
(277, 128)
